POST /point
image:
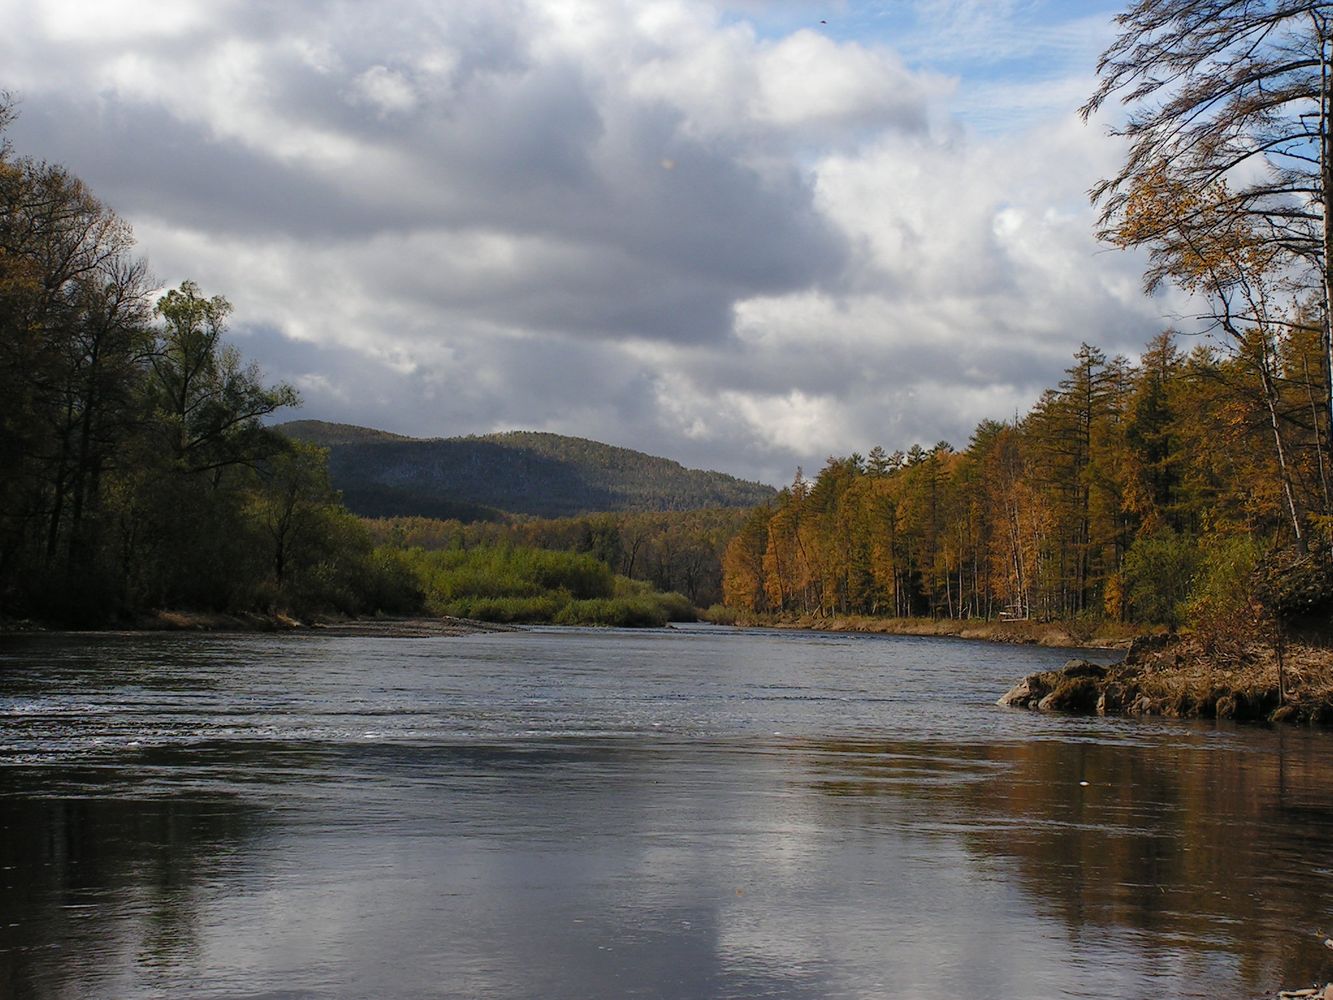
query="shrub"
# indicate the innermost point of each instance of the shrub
(1158, 576)
(503, 584)
(458, 575)
(720, 614)
(581, 574)
(620, 612)
(1222, 611)
(1295, 588)
(390, 583)
(508, 610)
(677, 607)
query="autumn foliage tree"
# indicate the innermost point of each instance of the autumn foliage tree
(1228, 183)
(1103, 501)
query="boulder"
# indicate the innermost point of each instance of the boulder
(1082, 668)
(1072, 688)
(1285, 713)
(1112, 700)
(1027, 692)
(1077, 693)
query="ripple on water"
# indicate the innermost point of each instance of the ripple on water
(674, 814)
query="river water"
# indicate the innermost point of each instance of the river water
(684, 813)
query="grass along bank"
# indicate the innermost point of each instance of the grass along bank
(1179, 677)
(524, 585)
(1098, 635)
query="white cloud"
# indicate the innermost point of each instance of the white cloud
(384, 89)
(806, 79)
(79, 22)
(651, 222)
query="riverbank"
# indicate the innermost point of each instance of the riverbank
(1031, 633)
(1176, 678)
(1170, 676)
(205, 621)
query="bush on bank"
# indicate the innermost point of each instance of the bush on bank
(525, 585)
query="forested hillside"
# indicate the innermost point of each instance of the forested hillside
(1150, 491)
(521, 472)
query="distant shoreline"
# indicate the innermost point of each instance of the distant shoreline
(251, 623)
(1027, 633)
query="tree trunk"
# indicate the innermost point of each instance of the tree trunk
(1326, 198)
(1271, 399)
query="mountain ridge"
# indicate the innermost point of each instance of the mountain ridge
(485, 477)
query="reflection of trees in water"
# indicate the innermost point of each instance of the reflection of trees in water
(1200, 850)
(91, 885)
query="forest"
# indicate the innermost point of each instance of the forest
(138, 471)
(672, 551)
(1149, 492)
(1191, 485)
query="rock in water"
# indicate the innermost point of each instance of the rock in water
(1075, 687)
(1026, 693)
(1082, 668)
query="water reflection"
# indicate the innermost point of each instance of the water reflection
(598, 815)
(1218, 852)
(97, 887)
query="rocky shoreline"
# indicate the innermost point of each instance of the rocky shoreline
(1174, 677)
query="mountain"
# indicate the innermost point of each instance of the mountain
(519, 472)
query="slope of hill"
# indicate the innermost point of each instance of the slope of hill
(327, 435)
(520, 472)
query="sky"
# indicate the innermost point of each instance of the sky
(743, 234)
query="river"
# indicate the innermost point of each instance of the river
(685, 813)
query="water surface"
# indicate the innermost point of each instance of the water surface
(668, 814)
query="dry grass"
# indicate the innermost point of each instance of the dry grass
(1243, 683)
(1179, 678)
(210, 621)
(1056, 634)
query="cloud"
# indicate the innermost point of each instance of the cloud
(386, 90)
(719, 232)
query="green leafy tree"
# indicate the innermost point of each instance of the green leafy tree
(207, 402)
(292, 504)
(1159, 575)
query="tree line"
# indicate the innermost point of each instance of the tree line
(672, 551)
(137, 468)
(1132, 491)
(505, 583)
(1152, 490)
